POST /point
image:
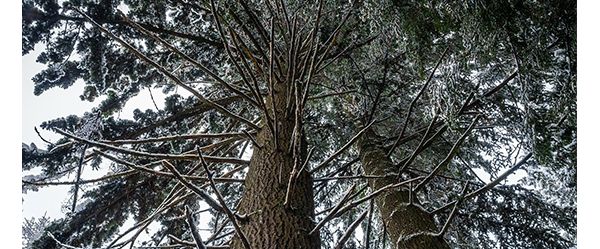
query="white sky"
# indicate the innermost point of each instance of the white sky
(57, 103)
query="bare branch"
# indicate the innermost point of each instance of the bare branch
(40, 136)
(412, 103)
(166, 72)
(341, 150)
(254, 142)
(176, 137)
(421, 145)
(334, 210)
(351, 229)
(193, 228)
(209, 200)
(375, 194)
(155, 155)
(490, 185)
(325, 95)
(103, 178)
(78, 177)
(230, 214)
(453, 213)
(450, 155)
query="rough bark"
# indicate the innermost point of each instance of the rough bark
(408, 226)
(270, 224)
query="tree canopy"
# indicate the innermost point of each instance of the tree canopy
(374, 116)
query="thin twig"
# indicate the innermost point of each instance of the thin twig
(450, 155)
(78, 177)
(341, 150)
(412, 103)
(420, 146)
(351, 229)
(155, 155)
(370, 219)
(152, 98)
(40, 136)
(193, 228)
(209, 200)
(325, 95)
(490, 185)
(453, 213)
(337, 207)
(230, 214)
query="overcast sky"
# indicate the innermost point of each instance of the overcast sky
(52, 104)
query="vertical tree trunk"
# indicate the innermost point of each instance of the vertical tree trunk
(270, 224)
(408, 226)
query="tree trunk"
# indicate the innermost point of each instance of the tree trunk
(408, 226)
(270, 224)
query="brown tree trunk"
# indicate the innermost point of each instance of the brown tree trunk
(408, 226)
(270, 224)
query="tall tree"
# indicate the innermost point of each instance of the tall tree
(341, 104)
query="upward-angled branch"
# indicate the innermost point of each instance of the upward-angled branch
(351, 229)
(453, 213)
(230, 215)
(374, 194)
(337, 207)
(346, 146)
(450, 155)
(193, 61)
(166, 72)
(209, 200)
(194, 230)
(420, 146)
(412, 103)
(490, 185)
(78, 177)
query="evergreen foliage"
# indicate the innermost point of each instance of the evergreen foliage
(416, 70)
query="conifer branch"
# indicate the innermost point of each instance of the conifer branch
(146, 154)
(207, 198)
(341, 150)
(177, 137)
(490, 185)
(337, 207)
(193, 61)
(450, 155)
(350, 230)
(193, 228)
(80, 182)
(226, 209)
(166, 72)
(453, 212)
(412, 103)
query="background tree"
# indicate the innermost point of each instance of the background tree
(367, 115)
